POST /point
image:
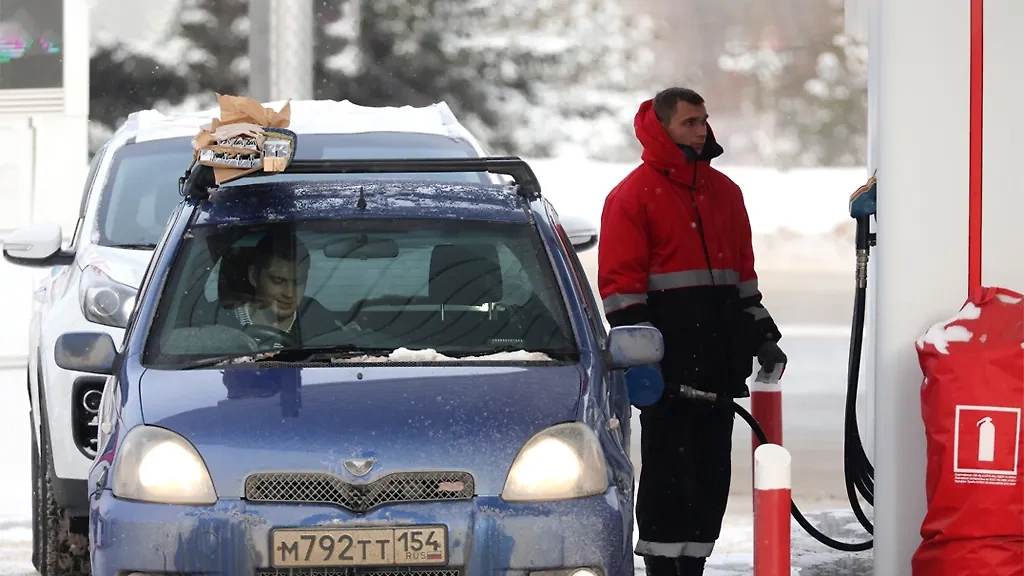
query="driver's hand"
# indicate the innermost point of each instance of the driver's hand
(352, 326)
(265, 311)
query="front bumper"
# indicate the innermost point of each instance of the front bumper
(486, 536)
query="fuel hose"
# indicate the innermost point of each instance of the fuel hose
(693, 393)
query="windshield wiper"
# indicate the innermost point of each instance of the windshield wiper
(553, 353)
(227, 359)
(288, 355)
(137, 246)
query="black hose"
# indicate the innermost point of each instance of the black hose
(857, 468)
(858, 471)
(817, 535)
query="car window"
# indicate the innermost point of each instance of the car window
(403, 275)
(459, 288)
(142, 187)
(593, 310)
(87, 193)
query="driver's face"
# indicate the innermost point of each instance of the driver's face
(282, 285)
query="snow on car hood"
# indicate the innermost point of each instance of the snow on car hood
(247, 419)
(122, 265)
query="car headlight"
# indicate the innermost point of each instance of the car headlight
(103, 300)
(157, 465)
(562, 462)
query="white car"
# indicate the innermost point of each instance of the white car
(130, 192)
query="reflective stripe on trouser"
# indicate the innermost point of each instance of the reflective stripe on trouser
(758, 312)
(674, 549)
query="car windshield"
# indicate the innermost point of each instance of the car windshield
(142, 188)
(359, 290)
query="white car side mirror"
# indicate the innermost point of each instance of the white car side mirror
(581, 232)
(634, 346)
(37, 245)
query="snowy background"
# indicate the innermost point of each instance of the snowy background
(559, 84)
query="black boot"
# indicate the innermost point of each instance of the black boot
(660, 566)
(690, 566)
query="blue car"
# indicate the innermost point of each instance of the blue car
(331, 373)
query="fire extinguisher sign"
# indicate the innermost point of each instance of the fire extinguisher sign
(986, 446)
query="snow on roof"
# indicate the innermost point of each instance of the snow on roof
(310, 117)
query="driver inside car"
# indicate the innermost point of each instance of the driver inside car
(278, 311)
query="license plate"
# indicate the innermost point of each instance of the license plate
(328, 547)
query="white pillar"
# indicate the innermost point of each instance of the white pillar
(922, 136)
(280, 49)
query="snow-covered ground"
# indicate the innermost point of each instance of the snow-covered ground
(804, 248)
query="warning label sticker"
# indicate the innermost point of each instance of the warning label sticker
(986, 445)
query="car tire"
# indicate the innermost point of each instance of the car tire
(63, 552)
(37, 536)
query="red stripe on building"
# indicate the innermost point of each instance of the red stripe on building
(977, 106)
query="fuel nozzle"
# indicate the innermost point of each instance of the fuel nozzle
(863, 205)
(695, 394)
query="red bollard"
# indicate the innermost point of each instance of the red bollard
(766, 408)
(772, 497)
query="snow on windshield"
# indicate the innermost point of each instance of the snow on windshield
(430, 355)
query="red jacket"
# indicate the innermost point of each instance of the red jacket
(675, 251)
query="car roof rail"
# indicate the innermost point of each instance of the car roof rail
(199, 178)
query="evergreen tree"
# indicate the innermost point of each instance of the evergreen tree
(586, 65)
(332, 36)
(213, 36)
(814, 92)
(527, 78)
(121, 82)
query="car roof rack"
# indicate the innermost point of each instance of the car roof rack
(199, 178)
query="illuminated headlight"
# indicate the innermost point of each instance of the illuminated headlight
(157, 465)
(103, 300)
(565, 461)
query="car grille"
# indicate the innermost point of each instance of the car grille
(323, 488)
(357, 572)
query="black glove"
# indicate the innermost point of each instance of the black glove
(769, 354)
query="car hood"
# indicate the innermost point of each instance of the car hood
(121, 264)
(245, 420)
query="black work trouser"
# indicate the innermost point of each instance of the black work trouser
(686, 471)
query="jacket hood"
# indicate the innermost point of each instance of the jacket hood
(664, 155)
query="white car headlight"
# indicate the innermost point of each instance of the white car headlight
(157, 465)
(103, 300)
(565, 461)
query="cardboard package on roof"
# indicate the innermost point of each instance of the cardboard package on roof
(242, 121)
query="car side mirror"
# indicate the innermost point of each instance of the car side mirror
(37, 245)
(85, 352)
(583, 243)
(582, 232)
(630, 346)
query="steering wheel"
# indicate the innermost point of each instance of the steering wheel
(269, 335)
